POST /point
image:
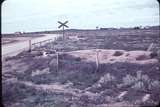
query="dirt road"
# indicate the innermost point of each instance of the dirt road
(15, 48)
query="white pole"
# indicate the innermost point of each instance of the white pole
(63, 32)
(97, 60)
(57, 61)
(30, 45)
(150, 47)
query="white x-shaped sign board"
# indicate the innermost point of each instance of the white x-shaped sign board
(63, 24)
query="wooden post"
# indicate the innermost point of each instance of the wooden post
(63, 32)
(50, 42)
(40, 44)
(57, 61)
(30, 45)
(97, 60)
(3, 60)
(150, 47)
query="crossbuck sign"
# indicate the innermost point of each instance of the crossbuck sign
(63, 24)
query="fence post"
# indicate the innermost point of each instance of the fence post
(50, 42)
(40, 44)
(30, 45)
(97, 60)
(150, 47)
(63, 33)
(57, 61)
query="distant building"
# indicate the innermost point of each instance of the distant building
(146, 27)
(18, 33)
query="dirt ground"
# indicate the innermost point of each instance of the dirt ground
(13, 39)
(127, 75)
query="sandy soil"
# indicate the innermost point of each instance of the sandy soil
(9, 40)
(109, 56)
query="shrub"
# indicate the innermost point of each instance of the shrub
(118, 53)
(36, 53)
(138, 85)
(158, 54)
(154, 85)
(153, 54)
(139, 75)
(107, 77)
(60, 38)
(141, 57)
(128, 79)
(16, 91)
(137, 27)
(145, 78)
(40, 72)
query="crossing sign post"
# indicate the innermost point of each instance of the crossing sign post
(63, 24)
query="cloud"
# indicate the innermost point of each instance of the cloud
(80, 13)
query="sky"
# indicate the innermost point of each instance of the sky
(42, 15)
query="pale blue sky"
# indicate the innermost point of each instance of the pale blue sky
(41, 15)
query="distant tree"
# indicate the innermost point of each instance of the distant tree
(137, 27)
(97, 27)
(103, 28)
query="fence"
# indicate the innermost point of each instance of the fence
(97, 61)
(39, 44)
